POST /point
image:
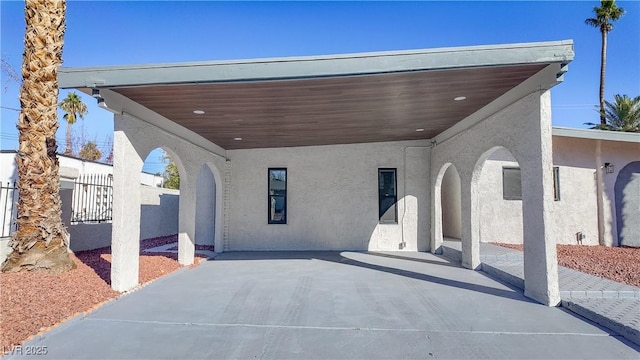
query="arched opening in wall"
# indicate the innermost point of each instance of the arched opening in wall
(450, 203)
(159, 206)
(206, 193)
(627, 205)
(499, 195)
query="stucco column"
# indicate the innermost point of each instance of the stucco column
(125, 236)
(187, 219)
(540, 257)
(436, 216)
(470, 222)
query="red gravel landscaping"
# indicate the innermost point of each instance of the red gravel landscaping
(34, 302)
(621, 264)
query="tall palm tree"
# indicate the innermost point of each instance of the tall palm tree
(41, 240)
(622, 115)
(607, 13)
(74, 108)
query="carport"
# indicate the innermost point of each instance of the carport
(333, 121)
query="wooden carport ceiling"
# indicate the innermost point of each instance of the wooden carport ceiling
(330, 110)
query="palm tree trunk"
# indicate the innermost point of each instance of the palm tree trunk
(41, 241)
(603, 65)
(67, 150)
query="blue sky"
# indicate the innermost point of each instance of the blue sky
(125, 32)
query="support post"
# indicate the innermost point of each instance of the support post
(187, 219)
(470, 222)
(125, 238)
(540, 257)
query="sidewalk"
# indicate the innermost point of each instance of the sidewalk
(611, 304)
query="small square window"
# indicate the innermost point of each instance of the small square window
(511, 183)
(277, 198)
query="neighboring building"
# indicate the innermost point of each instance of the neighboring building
(87, 203)
(586, 163)
(90, 181)
(358, 143)
(8, 169)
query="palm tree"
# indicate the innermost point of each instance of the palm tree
(74, 108)
(41, 240)
(622, 115)
(605, 15)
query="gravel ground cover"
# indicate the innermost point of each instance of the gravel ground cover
(31, 303)
(621, 264)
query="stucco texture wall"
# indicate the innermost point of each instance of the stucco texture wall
(501, 219)
(332, 198)
(579, 160)
(158, 212)
(158, 217)
(451, 217)
(524, 128)
(134, 139)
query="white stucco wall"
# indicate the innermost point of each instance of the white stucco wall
(205, 207)
(332, 198)
(524, 128)
(577, 209)
(451, 217)
(158, 212)
(501, 219)
(8, 170)
(578, 161)
(134, 139)
(158, 217)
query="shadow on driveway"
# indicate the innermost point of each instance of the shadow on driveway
(361, 259)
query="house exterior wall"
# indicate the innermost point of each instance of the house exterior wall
(579, 161)
(577, 209)
(575, 212)
(501, 219)
(332, 198)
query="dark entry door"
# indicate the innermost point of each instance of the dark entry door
(387, 196)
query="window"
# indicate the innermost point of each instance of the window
(387, 196)
(277, 196)
(556, 183)
(511, 184)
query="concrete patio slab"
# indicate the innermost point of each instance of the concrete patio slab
(339, 305)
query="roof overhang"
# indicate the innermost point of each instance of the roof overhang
(594, 134)
(355, 98)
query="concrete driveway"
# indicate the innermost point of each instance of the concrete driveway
(329, 305)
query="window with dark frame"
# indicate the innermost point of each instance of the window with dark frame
(556, 183)
(387, 196)
(277, 201)
(511, 183)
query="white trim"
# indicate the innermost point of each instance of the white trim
(596, 134)
(318, 66)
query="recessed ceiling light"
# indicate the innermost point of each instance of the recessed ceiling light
(460, 98)
(420, 130)
(198, 112)
(237, 139)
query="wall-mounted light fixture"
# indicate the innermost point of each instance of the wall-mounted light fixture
(96, 93)
(102, 104)
(608, 168)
